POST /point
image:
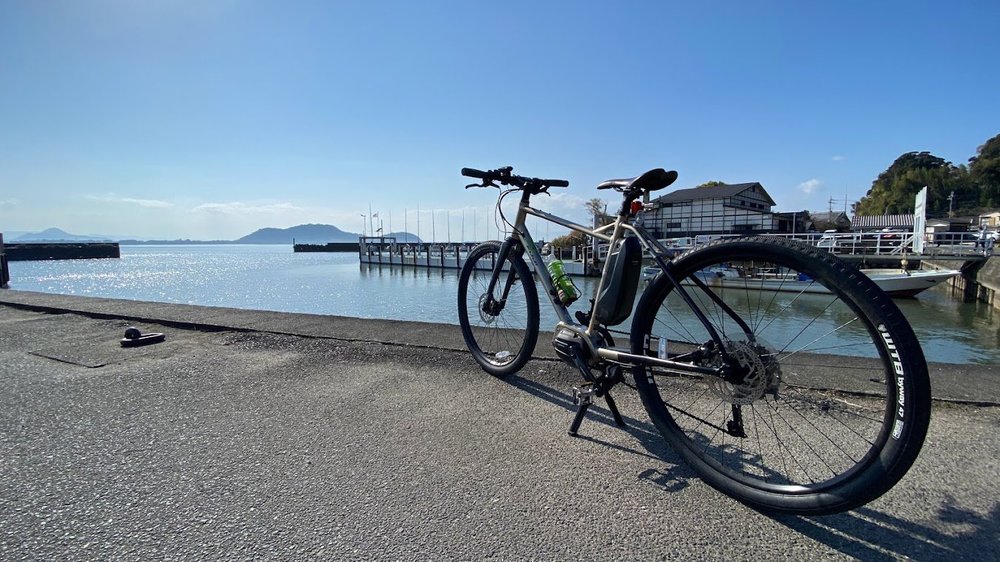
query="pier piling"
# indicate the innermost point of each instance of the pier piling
(4, 271)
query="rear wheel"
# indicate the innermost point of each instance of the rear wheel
(500, 328)
(831, 400)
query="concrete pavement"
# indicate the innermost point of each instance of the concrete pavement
(287, 436)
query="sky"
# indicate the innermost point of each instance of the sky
(210, 119)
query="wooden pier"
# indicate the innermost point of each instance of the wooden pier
(445, 255)
(388, 251)
(328, 247)
(858, 250)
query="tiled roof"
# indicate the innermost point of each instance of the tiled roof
(710, 192)
(826, 216)
(882, 221)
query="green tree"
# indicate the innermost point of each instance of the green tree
(596, 209)
(984, 171)
(894, 190)
(569, 240)
(712, 183)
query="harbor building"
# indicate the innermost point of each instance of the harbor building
(743, 208)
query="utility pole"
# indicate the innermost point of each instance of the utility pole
(951, 199)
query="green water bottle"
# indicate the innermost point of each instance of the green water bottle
(565, 288)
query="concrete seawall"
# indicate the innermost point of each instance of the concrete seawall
(972, 384)
(979, 282)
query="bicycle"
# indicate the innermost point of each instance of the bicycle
(783, 376)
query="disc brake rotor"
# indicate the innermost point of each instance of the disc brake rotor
(485, 316)
(762, 374)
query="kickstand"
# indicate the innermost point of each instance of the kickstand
(584, 397)
(614, 410)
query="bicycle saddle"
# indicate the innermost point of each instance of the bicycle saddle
(657, 178)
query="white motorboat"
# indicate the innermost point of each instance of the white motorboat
(895, 282)
(903, 283)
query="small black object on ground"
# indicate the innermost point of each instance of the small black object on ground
(133, 337)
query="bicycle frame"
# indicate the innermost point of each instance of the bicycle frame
(521, 243)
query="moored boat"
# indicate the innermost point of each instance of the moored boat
(903, 283)
(895, 282)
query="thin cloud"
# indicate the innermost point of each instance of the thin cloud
(240, 208)
(810, 186)
(8, 202)
(148, 203)
(839, 158)
(152, 203)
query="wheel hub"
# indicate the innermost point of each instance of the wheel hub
(489, 308)
(759, 373)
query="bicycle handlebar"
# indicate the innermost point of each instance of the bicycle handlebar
(505, 177)
(474, 173)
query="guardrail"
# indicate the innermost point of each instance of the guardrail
(875, 243)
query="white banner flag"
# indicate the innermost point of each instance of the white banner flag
(919, 221)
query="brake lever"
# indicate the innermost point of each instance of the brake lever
(484, 184)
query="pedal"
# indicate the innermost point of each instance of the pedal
(583, 395)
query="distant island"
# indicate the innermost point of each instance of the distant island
(301, 234)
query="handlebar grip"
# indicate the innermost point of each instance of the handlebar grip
(556, 183)
(474, 173)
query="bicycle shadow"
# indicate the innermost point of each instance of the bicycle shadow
(864, 533)
(672, 479)
(868, 534)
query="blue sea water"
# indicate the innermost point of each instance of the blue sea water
(272, 277)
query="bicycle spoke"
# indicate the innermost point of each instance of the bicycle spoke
(791, 435)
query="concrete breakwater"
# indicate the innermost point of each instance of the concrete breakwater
(61, 251)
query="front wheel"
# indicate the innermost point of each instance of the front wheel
(829, 400)
(500, 327)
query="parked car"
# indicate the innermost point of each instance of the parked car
(828, 241)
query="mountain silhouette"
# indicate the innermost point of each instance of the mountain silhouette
(59, 235)
(311, 234)
(301, 234)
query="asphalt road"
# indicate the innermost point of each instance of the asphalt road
(239, 438)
